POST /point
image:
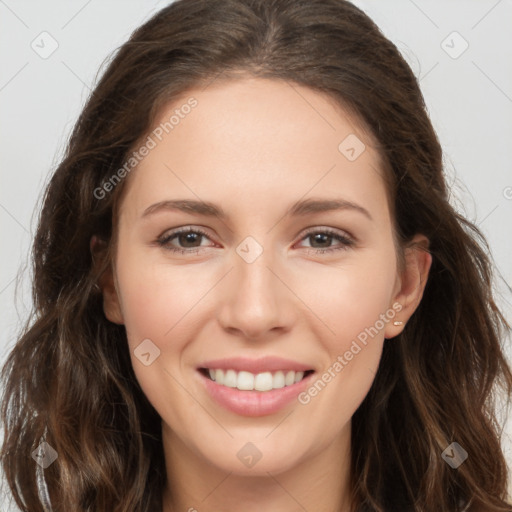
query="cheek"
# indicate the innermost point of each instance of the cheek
(351, 298)
(167, 304)
(355, 303)
(160, 300)
(156, 298)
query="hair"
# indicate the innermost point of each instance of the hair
(69, 377)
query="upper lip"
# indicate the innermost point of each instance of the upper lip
(263, 364)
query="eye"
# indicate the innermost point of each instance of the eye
(189, 239)
(324, 237)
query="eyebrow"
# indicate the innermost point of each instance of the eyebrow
(299, 209)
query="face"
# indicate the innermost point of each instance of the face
(266, 281)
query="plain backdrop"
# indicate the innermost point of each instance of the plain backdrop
(51, 51)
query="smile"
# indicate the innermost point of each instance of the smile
(247, 381)
(254, 387)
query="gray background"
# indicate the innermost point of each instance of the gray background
(469, 97)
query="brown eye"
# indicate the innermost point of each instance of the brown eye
(187, 239)
(325, 237)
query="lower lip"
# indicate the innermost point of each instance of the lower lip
(254, 403)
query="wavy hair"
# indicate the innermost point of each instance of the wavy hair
(69, 378)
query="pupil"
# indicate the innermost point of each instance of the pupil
(188, 237)
(191, 238)
(321, 235)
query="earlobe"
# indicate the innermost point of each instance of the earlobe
(111, 303)
(413, 280)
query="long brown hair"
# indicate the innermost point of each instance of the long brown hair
(69, 378)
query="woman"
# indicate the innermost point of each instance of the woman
(254, 366)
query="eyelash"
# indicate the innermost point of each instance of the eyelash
(345, 240)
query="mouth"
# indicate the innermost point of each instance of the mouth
(261, 392)
(248, 381)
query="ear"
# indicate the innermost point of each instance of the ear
(111, 303)
(410, 283)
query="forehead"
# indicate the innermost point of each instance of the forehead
(253, 139)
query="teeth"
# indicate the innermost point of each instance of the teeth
(263, 381)
(230, 379)
(278, 380)
(246, 381)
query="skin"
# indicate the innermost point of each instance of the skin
(255, 147)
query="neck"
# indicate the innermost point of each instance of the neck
(319, 482)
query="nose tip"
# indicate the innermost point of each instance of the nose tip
(254, 303)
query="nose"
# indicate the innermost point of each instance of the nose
(256, 303)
